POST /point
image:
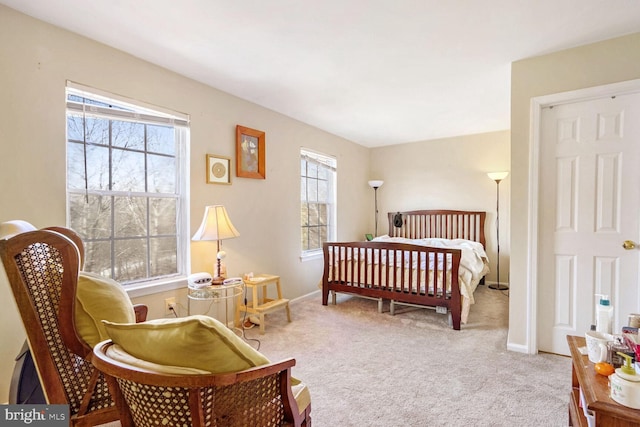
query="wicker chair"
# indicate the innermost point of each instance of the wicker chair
(260, 396)
(42, 267)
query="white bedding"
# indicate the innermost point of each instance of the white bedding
(474, 265)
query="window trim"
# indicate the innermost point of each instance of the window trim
(331, 163)
(147, 114)
(155, 111)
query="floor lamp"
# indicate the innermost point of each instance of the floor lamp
(497, 177)
(375, 184)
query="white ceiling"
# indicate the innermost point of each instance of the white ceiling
(376, 72)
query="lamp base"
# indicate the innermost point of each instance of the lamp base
(498, 287)
(217, 281)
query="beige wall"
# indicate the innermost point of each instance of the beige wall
(36, 59)
(448, 173)
(587, 66)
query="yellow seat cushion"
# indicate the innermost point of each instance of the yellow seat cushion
(298, 388)
(99, 298)
(199, 342)
(116, 353)
(301, 395)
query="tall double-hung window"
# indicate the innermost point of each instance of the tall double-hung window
(127, 186)
(317, 200)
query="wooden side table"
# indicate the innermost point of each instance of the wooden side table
(593, 390)
(262, 305)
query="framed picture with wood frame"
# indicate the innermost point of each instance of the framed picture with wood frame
(250, 153)
(218, 169)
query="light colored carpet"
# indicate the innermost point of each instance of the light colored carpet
(364, 368)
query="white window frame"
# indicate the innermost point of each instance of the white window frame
(145, 113)
(330, 163)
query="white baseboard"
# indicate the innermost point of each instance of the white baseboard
(305, 296)
(518, 348)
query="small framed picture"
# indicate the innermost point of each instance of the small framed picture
(250, 153)
(218, 169)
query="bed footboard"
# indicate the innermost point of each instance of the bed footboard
(404, 273)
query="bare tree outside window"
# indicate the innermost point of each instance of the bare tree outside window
(124, 193)
(317, 200)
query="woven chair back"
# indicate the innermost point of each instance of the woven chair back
(259, 396)
(42, 267)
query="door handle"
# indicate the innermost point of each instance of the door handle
(628, 245)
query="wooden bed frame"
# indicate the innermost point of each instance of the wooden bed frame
(345, 262)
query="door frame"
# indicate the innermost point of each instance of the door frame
(535, 120)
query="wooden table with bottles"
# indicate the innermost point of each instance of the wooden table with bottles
(593, 390)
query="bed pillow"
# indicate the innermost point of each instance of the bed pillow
(99, 298)
(199, 342)
(381, 238)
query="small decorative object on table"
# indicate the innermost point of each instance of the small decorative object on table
(590, 402)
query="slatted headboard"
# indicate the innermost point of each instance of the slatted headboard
(440, 223)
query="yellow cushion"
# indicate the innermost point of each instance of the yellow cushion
(116, 353)
(300, 391)
(199, 342)
(301, 395)
(98, 299)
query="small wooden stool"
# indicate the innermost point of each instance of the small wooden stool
(263, 305)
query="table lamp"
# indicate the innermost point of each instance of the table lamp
(217, 226)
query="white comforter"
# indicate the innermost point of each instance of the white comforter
(474, 263)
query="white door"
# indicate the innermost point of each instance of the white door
(589, 204)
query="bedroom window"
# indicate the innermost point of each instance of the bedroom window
(317, 201)
(127, 187)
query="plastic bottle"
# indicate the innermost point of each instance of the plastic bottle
(604, 314)
(625, 384)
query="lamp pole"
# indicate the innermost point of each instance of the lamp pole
(375, 184)
(375, 196)
(497, 177)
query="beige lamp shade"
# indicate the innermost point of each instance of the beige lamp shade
(497, 176)
(375, 183)
(216, 225)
